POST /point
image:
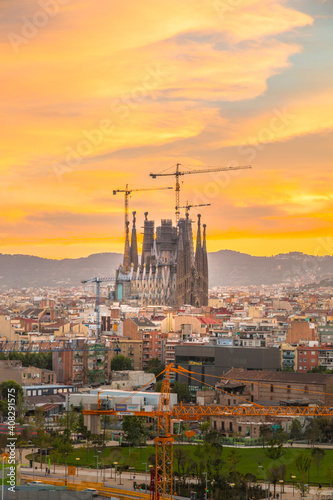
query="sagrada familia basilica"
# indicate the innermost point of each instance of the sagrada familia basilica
(170, 272)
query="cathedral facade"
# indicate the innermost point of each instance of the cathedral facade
(170, 272)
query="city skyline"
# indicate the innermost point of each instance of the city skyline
(97, 99)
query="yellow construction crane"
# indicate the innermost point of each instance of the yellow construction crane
(179, 172)
(162, 489)
(187, 206)
(127, 193)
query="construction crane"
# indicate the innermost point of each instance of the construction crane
(163, 471)
(127, 193)
(98, 282)
(179, 172)
(187, 206)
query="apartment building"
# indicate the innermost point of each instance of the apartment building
(301, 331)
(151, 347)
(289, 357)
(307, 358)
(133, 328)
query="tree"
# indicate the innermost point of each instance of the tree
(9, 385)
(275, 474)
(180, 459)
(265, 433)
(155, 366)
(326, 427)
(158, 386)
(275, 451)
(212, 437)
(302, 464)
(233, 459)
(204, 427)
(12, 388)
(62, 446)
(81, 428)
(69, 423)
(313, 432)
(120, 363)
(42, 438)
(317, 455)
(37, 359)
(183, 392)
(134, 430)
(295, 429)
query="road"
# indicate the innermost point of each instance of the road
(123, 482)
(126, 482)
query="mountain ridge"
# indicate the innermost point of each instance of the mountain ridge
(226, 267)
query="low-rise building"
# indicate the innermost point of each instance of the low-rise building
(282, 387)
(25, 375)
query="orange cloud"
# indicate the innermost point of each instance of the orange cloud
(99, 97)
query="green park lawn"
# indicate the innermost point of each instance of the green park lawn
(249, 460)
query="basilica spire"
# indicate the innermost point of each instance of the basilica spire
(126, 262)
(204, 268)
(134, 245)
(198, 250)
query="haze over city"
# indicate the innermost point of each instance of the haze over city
(97, 98)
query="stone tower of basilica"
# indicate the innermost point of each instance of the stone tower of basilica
(170, 272)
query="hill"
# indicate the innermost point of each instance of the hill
(226, 267)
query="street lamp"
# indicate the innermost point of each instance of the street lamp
(145, 463)
(33, 463)
(293, 478)
(131, 471)
(115, 470)
(206, 486)
(281, 484)
(304, 487)
(97, 456)
(263, 470)
(77, 468)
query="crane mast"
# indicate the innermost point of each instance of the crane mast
(164, 442)
(177, 173)
(127, 193)
(98, 282)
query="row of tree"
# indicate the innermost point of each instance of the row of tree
(314, 431)
(41, 360)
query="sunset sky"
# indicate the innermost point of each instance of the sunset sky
(98, 94)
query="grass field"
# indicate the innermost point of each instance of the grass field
(249, 460)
